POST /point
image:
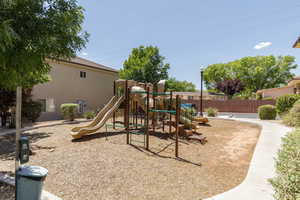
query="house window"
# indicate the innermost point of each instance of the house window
(295, 90)
(82, 106)
(82, 74)
(43, 102)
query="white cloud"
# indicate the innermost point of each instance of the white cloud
(84, 53)
(262, 45)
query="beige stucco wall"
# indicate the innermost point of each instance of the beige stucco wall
(278, 92)
(66, 86)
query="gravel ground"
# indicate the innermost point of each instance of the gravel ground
(100, 168)
(7, 192)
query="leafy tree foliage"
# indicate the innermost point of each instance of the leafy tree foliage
(180, 86)
(230, 87)
(145, 64)
(33, 30)
(255, 73)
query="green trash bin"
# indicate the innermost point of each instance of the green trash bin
(30, 182)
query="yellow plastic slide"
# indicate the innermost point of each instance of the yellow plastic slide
(100, 119)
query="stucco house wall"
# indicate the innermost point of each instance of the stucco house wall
(277, 92)
(67, 86)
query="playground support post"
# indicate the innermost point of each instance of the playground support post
(127, 111)
(177, 123)
(18, 133)
(201, 94)
(170, 119)
(147, 120)
(114, 114)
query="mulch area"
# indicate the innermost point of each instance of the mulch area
(7, 192)
(97, 167)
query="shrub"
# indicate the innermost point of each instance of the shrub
(285, 103)
(89, 115)
(287, 181)
(292, 118)
(211, 112)
(258, 96)
(297, 102)
(267, 112)
(268, 98)
(69, 110)
(31, 110)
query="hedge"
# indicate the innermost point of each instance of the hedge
(285, 103)
(267, 112)
(287, 181)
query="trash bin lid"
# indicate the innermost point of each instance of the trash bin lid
(33, 171)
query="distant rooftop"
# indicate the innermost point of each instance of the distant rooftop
(87, 63)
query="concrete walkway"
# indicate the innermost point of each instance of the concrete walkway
(262, 167)
(42, 125)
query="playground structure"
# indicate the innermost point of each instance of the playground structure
(147, 107)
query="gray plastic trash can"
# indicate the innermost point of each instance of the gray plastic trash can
(30, 182)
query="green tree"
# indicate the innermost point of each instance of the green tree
(180, 86)
(33, 30)
(259, 72)
(145, 64)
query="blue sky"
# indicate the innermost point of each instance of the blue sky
(191, 33)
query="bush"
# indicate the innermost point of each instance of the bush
(297, 102)
(287, 181)
(285, 103)
(292, 118)
(89, 115)
(69, 110)
(267, 112)
(268, 98)
(31, 110)
(211, 112)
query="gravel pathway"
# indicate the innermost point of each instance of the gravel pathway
(96, 168)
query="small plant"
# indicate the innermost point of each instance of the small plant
(287, 181)
(285, 103)
(267, 112)
(89, 115)
(211, 112)
(292, 118)
(31, 110)
(69, 110)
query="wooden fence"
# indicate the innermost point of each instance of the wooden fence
(235, 106)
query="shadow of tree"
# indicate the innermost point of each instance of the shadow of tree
(98, 135)
(8, 145)
(157, 154)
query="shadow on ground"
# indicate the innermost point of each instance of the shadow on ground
(8, 145)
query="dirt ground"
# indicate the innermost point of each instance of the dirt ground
(97, 167)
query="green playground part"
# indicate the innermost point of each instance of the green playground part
(122, 126)
(137, 133)
(138, 92)
(163, 111)
(116, 125)
(160, 93)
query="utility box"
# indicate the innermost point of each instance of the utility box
(30, 182)
(24, 149)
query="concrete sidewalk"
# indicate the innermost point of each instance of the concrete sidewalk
(262, 166)
(42, 125)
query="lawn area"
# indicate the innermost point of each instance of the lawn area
(100, 168)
